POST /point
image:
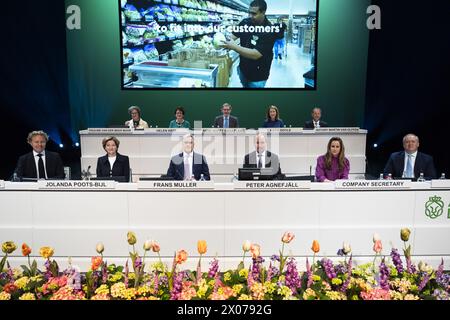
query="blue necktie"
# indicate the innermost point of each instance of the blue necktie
(225, 122)
(409, 168)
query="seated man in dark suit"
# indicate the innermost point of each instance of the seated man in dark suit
(226, 120)
(39, 164)
(113, 164)
(263, 158)
(315, 122)
(410, 163)
(188, 165)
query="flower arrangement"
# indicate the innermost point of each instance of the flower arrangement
(385, 279)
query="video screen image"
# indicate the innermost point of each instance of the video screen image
(204, 44)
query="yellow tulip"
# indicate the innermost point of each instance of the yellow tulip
(404, 234)
(46, 252)
(8, 247)
(201, 246)
(131, 238)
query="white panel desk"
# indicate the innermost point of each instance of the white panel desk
(74, 221)
(150, 150)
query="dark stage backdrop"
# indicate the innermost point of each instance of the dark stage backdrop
(97, 100)
(408, 81)
(33, 86)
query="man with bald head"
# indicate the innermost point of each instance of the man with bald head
(262, 158)
(410, 163)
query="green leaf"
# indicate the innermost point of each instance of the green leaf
(26, 271)
(240, 266)
(2, 263)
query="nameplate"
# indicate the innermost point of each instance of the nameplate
(109, 130)
(176, 185)
(441, 183)
(76, 185)
(280, 130)
(167, 130)
(350, 129)
(372, 184)
(272, 185)
(223, 130)
(2, 184)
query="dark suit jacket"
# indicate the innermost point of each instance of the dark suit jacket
(424, 163)
(26, 166)
(233, 122)
(121, 167)
(310, 124)
(271, 159)
(200, 166)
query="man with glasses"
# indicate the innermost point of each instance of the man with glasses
(226, 120)
(257, 38)
(136, 121)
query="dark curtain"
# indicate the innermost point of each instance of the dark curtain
(34, 84)
(408, 85)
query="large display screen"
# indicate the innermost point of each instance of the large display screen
(204, 44)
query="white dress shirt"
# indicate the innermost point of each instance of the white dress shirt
(36, 161)
(111, 162)
(189, 158)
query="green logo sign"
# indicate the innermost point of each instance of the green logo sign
(434, 207)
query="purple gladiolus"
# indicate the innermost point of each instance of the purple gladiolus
(156, 286)
(397, 260)
(308, 274)
(327, 264)
(384, 276)
(292, 277)
(275, 258)
(214, 267)
(177, 287)
(256, 268)
(410, 267)
(137, 263)
(104, 273)
(424, 281)
(349, 275)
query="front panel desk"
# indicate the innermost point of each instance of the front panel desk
(150, 150)
(73, 216)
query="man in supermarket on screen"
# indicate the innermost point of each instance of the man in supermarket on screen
(257, 37)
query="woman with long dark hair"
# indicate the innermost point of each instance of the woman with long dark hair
(333, 165)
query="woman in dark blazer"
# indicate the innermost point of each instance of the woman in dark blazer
(113, 164)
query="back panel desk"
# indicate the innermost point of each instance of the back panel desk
(73, 221)
(150, 150)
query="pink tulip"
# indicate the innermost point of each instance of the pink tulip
(287, 237)
(255, 249)
(377, 247)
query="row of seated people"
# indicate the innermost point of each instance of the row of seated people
(226, 120)
(190, 165)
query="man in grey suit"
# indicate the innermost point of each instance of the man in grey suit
(226, 120)
(263, 158)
